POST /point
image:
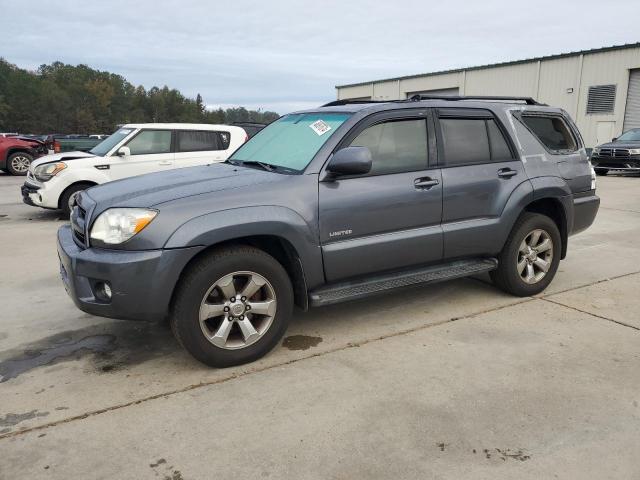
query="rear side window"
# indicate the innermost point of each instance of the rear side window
(552, 131)
(473, 140)
(201, 141)
(398, 146)
(148, 142)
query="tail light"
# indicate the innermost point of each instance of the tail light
(56, 146)
(246, 137)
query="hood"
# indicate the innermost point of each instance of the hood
(620, 145)
(60, 157)
(153, 189)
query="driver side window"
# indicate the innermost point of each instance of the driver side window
(149, 142)
(396, 146)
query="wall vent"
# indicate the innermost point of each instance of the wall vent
(601, 99)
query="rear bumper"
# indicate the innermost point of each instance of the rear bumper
(585, 209)
(141, 282)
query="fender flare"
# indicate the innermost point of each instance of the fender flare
(269, 220)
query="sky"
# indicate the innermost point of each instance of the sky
(284, 55)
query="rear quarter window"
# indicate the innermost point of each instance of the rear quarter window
(552, 131)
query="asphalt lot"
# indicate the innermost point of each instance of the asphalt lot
(455, 380)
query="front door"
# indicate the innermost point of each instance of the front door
(389, 218)
(480, 171)
(150, 152)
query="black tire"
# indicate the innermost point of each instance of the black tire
(506, 276)
(63, 203)
(601, 171)
(196, 282)
(25, 157)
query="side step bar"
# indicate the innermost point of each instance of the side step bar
(351, 290)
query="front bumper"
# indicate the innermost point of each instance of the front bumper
(141, 282)
(629, 163)
(31, 195)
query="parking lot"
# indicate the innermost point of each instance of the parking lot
(445, 381)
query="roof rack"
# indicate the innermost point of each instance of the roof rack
(527, 100)
(337, 103)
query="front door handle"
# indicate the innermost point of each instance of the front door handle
(425, 183)
(165, 162)
(507, 173)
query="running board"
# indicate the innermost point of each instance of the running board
(341, 292)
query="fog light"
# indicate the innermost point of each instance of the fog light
(103, 291)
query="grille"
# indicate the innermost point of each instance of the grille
(614, 153)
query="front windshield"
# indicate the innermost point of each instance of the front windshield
(111, 141)
(630, 136)
(292, 141)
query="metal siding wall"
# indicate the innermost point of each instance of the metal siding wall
(516, 80)
(603, 69)
(632, 110)
(435, 82)
(545, 80)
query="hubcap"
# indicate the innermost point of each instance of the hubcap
(535, 256)
(237, 310)
(20, 163)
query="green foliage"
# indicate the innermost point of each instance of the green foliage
(61, 98)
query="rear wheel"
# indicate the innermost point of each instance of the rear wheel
(18, 163)
(530, 258)
(232, 306)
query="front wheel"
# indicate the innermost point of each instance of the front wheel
(530, 258)
(232, 306)
(18, 163)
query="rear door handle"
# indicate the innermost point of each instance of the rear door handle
(425, 183)
(507, 173)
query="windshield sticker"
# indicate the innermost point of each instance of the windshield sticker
(320, 127)
(124, 132)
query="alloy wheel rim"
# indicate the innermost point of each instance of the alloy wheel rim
(20, 163)
(535, 256)
(237, 310)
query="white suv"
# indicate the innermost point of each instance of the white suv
(134, 149)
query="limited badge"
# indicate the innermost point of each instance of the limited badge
(320, 127)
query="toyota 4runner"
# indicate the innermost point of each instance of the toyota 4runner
(337, 203)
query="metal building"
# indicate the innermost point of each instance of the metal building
(599, 88)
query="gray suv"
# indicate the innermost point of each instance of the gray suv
(337, 203)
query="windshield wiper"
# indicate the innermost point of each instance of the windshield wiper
(264, 166)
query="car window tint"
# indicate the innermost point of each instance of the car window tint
(553, 132)
(198, 141)
(499, 147)
(399, 146)
(150, 141)
(464, 140)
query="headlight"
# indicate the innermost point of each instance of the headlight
(48, 170)
(634, 151)
(117, 225)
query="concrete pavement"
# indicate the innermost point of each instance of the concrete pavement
(448, 381)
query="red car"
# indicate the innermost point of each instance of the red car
(17, 153)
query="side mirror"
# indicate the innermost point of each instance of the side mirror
(123, 152)
(349, 161)
(614, 139)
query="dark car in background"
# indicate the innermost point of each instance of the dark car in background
(250, 127)
(620, 155)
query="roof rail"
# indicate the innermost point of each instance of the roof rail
(337, 103)
(527, 100)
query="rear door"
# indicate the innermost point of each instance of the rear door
(151, 151)
(200, 147)
(389, 218)
(480, 170)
